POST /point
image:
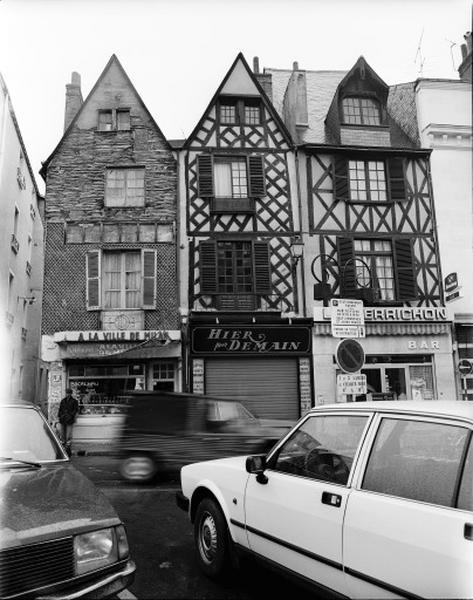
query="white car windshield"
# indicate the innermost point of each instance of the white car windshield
(25, 436)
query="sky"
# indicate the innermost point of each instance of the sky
(176, 52)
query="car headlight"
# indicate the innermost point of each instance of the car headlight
(96, 549)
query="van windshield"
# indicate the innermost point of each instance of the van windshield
(25, 436)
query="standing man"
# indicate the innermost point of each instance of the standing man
(67, 414)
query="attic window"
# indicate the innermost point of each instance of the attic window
(361, 111)
(240, 111)
(114, 119)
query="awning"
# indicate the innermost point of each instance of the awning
(392, 328)
(148, 349)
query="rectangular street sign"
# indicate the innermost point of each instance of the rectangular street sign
(453, 296)
(352, 384)
(348, 331)
(347, 312)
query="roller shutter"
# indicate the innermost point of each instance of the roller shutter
(267, 387)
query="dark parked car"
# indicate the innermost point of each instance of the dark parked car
(165, 430)
(59, 536)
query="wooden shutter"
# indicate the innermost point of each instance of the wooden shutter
(205, 176)
(347, 270)
(405, 270)
(256, 176)
(262, 268)
(92, 267)
(340, 178)
(208, 267)
(148, 258)
(397, 182)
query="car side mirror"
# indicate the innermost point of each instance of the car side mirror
(257, 464)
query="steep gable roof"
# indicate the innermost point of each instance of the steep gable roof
(241, 81)
(113, 62)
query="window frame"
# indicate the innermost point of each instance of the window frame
(361, 467)
(369, 257)
(114, 119)
(125, 169)
(240, 104)
(369, 191)
(359, 98)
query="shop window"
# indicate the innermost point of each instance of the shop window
(114, 119)
(383, 266)
(231, 182)
(360, 111)
(163, 374)
(416, 460)
(121, 280)
(124, 187)
(236, 272)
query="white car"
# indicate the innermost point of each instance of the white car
(365, 500)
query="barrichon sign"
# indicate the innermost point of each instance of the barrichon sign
(392, 313)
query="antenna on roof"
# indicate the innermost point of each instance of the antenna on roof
(451, 51)
(419, 54)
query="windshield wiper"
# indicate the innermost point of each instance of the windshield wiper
(23, 462)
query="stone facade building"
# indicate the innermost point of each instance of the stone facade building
(110, 313)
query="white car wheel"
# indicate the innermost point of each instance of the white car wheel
(211, 539)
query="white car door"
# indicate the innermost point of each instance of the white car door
(295, 518)
(409, 527)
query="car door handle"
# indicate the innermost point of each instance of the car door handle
(468, 531)
(331, 499)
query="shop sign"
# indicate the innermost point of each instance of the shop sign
(453, 296)
(451, 282)
(347, 318)
(423, 345)
(393, 313)
(352, 384)
(112, 336)
(251, 340)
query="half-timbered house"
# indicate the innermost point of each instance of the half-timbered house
(110, 313)
(247, 339)
(369, 232)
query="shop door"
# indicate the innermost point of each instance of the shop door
(268, 387)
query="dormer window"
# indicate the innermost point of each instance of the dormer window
(361, 111)
(240, 111)
(114, 119)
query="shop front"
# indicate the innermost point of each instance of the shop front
(103, 368)
(267, 367)
(408, 356)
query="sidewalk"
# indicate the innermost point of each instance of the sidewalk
(93, 448)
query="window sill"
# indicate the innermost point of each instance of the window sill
(232, 205)
(363, 126)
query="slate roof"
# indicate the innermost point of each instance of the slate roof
(321, 88)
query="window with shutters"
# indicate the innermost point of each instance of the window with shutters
(367, 180)
(240, 111)
(114, 119)
(124, 187)
(360, 111)
(385, 266)
(235, 272)
(121, 280)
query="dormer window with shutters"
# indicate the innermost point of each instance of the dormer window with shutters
(364, 181)
(235, 273)
(231, 182)
(121, 280)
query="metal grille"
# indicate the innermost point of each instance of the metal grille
(30, 567)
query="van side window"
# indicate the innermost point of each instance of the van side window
(416, 460)
(465, 497)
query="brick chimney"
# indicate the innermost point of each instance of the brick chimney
(465, 69)
(73, 99)
(264, 79)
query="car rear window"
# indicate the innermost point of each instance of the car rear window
(416, 460)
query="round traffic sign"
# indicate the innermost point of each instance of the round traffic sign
(465, 366)
(350, 355)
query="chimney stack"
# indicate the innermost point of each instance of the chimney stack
(256, 65)
(295, 66)
(264, 79)
(465, 69)
(73, 99)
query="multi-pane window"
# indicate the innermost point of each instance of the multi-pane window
(234, 267)
(114, 119)
(240, 111)
(124, 187)
(121, 280)
(375, 267)
(252, 115)
(227, 114)
(163, 374)
(361, 111)
(231, 179)
(367, 180)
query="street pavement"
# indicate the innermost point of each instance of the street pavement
(161, 543)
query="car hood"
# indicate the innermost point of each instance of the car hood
(51, 502)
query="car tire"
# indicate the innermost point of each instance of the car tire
(212, 539)
(140, 468)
